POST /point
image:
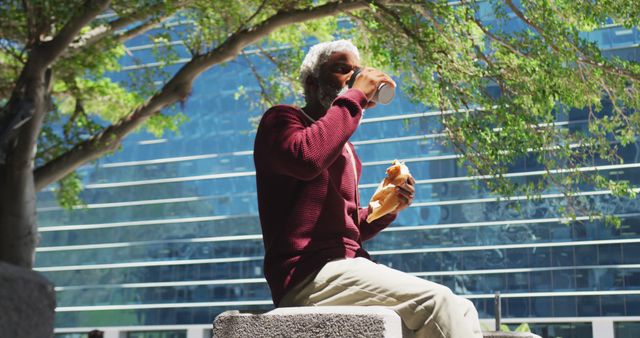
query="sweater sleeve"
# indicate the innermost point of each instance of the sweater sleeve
(302, 151)
(368, 230)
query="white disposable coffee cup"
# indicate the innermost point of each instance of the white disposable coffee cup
(383, 95)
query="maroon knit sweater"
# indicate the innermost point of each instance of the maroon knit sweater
(307, 194)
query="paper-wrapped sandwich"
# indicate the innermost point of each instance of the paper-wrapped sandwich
(385, 200)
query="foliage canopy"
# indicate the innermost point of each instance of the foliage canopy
(511, 88)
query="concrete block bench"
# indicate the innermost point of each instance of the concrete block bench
(322, 321)
(496, 334)
(27, 303)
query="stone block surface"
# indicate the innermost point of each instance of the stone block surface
(321, 321)
(496, 334)
(27, 303)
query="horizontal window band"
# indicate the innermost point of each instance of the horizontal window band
(517, 174)
(170, 180)
(389, 229)
(140, 243)
(155, 64)
(355, 143)
(417, 274)
(144, 222)
(442, 135)
(148, 202)
(164, 284)
(611, 49)
(416, 115)
(252, 173)
(494, 223)
(505, 246)
(148, 263)
(129, 203)
(174, 159)
(151, 46)
(511, 199)
(453, 156)
(153, 141)
(524, 270)
(106, 15)
(247, 51)
(212, 218)
(122, 330)
(269, 302)
(255, 237)
(372, 252)
(161, 306)
(361, 186)
(554, 294)
(250, 152)
(397, 139)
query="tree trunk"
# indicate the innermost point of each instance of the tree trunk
(18, 230)
(27, 106)
(17, 215)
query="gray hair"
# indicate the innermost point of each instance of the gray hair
(319, 54)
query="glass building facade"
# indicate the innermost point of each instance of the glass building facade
(170, 235)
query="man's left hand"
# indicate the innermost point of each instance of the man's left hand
(405, 192)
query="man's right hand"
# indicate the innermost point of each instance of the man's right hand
(368, 81)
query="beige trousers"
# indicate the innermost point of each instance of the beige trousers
(430, 310)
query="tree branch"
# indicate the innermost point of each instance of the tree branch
(399, 22)
(141, 29)
(49, 51)
(101, 32)
(178, 87)
(260, 79)
(31, 35)
(253, 16)
(26, 106)
(609, 69)
(583, 58)
(531, 24)
(18, 56)
(275, 62)
(140, 15)
(79, 110)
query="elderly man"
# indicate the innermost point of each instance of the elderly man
(313, 226)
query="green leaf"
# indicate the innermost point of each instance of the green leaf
(68, 191)
(524, 327)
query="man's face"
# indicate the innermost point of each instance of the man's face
(334, 75)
